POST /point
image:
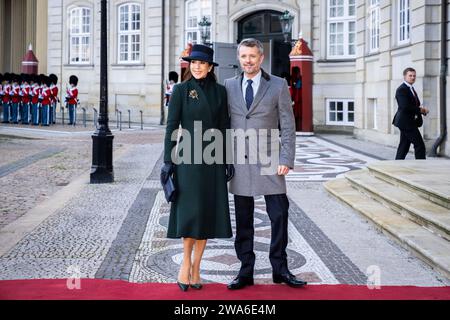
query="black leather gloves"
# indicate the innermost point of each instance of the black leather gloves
(166, 171)
(229, 171)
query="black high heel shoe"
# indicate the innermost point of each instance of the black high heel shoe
(183, 286)
(196, 286)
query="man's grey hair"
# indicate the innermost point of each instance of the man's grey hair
(251, 42)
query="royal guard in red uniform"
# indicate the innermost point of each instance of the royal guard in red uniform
(6, 97)
(296, 93)
(15, 98)
(41, 79)
(54, 98)
(72, 99)
(46, 96)
(26, 99)
(35, 93)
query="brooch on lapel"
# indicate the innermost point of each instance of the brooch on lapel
(193, 94)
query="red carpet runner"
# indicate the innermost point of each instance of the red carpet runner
(95, 289)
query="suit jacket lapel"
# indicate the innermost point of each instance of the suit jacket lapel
(414, 96)
(238, 90)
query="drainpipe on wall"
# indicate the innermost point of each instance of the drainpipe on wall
(163, 53)
(442, 83)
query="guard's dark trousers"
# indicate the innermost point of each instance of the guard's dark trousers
(277, 207)
(406, 138)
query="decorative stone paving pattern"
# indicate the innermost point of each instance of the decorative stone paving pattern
(334, 259)
(319, 160)
(158, 258)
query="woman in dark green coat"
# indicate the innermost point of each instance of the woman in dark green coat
(200, 210)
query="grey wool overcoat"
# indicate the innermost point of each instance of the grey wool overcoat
(271, 110)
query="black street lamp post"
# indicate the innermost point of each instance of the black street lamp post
(102, 147)
(205, 29)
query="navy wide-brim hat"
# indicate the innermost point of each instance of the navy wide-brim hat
(202, 53)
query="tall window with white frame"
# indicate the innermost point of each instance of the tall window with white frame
(374, 25)
(195, 11)
(340, 112)
(129, 33)
(341, 29)
(403, 21)
(79, 35)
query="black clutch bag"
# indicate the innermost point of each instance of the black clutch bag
(419, 120)
(169, 189)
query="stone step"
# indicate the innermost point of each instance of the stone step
(429, 179)
(429, 247)
(424, 212)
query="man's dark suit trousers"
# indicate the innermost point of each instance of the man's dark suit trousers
(406, 138)
(277, 208)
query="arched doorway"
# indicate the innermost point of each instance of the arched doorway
(266, 27)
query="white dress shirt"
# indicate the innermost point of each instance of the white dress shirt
(410, 88)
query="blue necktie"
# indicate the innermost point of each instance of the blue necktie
(249, 94)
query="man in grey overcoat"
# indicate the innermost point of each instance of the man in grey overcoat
(261, 103)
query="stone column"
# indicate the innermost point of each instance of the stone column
(2, 35)
(40, 49)
(31, 22)
(18, 32)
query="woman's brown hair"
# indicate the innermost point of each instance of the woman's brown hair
(188, 75)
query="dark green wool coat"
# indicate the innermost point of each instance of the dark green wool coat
(201, 209)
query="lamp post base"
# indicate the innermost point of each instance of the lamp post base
(102, 159)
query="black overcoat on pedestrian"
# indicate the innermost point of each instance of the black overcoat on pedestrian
(201, 209)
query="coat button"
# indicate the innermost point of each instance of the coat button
(247, 117)
(246, 157)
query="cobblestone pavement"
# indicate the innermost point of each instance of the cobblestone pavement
(117, 231)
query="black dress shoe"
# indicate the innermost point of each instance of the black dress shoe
(289, 279)
(240, 282)
(183, 286)
(196, 286)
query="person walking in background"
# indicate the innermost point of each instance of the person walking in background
(72, 99)
(258, 101)
(201, 209)
(408, 117)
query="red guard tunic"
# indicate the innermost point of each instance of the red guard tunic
(6, 93)
(35, 92)
(15, 96)
(72, 94)
(54, 91)
(26, 92)
(46, 95)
